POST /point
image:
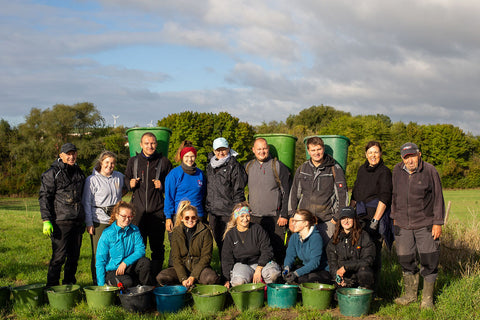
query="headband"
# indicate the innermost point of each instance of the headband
(240, 211)
(187, 150)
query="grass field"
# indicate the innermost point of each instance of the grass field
(25, 253)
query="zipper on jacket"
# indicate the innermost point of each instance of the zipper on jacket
(146, 187)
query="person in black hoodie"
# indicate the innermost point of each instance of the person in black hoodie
(63, 216)
(148, 187)
(351, 252)
(226, 180)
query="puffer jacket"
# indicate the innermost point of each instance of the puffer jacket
(117, 245)
(60, 195)
(351, 257)
(225, 187)
(191, 260)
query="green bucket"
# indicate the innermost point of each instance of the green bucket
(28, 296)
(209, 298)
(135, 136)
(99, 297)
(317, 295)
(4, 296)
(63, 297)
(336, 146)
(281, 146)
(354, 302)
(282, 296)
(248, 296)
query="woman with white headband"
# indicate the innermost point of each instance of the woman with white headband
(247, 254)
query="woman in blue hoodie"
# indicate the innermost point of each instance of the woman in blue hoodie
(121, 252)
(306, 244)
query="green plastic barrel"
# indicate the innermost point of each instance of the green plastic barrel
(209, 298)
(63, 297)
(354, 302)
(336, 146)
(135, 135)
(28, 296)
(317, 295)
(248, 296)
(281, 296)
(99, 297)
(281, 146)
(4, 296)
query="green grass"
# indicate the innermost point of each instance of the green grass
(25, 253)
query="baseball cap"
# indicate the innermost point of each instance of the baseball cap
(67, 147)
(408, 148)
(220, 143)
(347, 212)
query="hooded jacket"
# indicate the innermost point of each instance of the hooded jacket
(60, 195)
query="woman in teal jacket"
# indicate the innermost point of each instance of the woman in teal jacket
(121, 251)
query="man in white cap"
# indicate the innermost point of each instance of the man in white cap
(418, 211)
(62, 213)
(226, 180)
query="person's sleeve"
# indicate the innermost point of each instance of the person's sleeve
(170, 187)
(239, 181)
(293, 199)
(340, 190)
(129, 174)
(316, 251)
(439, 202)
(206, 256)
(166, 168)
(88, 202)
(101, 259)
(285, 180)
(228, 259)
(263, 242)
(291, 253)
(394, 192)
(385, 187)
(139, 249)
(177, 262)
(367, 255)
(332, 259)
(46, 195)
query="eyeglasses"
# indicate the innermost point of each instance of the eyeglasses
(295, 221)
(186, 218)
(126, 217)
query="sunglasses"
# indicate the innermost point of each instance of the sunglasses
(186, 218)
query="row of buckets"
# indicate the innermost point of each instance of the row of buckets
(281, 145)
(206, 298)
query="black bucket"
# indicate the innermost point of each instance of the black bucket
(138, 299)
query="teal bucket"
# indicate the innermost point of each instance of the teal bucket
(335, 146)
(209, 298)
(63, 297)
(99, 297)
(317, 295)
(248, 296)
(135, 136)
(30, 295)
(281, 146)
(170, 298)
(354, 302)
(4, 296)
(281, 296)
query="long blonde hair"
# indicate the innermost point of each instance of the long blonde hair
(116, 210)
(232, 223)
(183, 207)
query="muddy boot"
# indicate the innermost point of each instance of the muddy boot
(427, 295)
(411, 287)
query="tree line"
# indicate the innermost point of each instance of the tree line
(28, 149)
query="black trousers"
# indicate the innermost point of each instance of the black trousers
(318, 276)
(218, 225)
(66, 242)
(276, 235)
(152, 227)
(136, 273)
(169, 277)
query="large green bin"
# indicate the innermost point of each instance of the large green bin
(336, 146)
(281, 146)
(135, 135)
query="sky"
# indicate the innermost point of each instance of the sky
(261, 61)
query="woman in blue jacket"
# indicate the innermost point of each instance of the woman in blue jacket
(121, 252)
(306, 244)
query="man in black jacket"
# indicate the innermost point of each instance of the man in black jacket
(145, 176)
(62, 213)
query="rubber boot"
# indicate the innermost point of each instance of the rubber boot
(411, 287)
(427, 295)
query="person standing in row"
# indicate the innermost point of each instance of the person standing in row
(226, 180)
(268, 187)
(60, 199)
(320, 187)
(145, 175)
(418, 213)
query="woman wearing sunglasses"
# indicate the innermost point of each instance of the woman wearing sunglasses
(191, 250)
(121, 252)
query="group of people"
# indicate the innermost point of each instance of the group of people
(291, 230)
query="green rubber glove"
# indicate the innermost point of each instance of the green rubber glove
(47, 228)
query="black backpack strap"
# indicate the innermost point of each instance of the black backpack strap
(159, 168)
(135, 168)
(275, 173)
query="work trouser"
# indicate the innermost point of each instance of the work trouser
(169, 277)
(152, 227)
(410, 241)
(218, 224)
(136, 273)
(243, 273)
(66, 242)
(99, 227)
(276, 235)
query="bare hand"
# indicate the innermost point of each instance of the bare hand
(436, 231)
(133, 182)
(257, 276)
(188, 282)
(91, 230)
(227, 285)
(282, 221)
(341, 271)
(157, 183)
(121, 269)
(169, 225)
(333, 221)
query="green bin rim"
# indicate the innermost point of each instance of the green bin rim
(266, 135)
(149, 128)
(326, 136)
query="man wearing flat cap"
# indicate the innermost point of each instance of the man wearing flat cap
(62, 213)
(418, 210)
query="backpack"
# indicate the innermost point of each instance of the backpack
(158, 168)
(275, 168)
